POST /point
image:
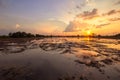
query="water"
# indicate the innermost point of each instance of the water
(60, 59)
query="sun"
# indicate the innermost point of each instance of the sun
(88, 33)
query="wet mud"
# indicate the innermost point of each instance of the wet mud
(60, 59)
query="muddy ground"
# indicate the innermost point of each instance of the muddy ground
(60, 59)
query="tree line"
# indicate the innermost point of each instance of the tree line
(29, 35)
(23, 35)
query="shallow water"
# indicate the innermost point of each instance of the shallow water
(60, 59)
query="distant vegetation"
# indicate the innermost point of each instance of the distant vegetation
(23, 35)
(116, 36)
(29, 35)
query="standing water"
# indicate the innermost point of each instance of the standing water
(60, 59)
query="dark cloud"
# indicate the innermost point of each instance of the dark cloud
(111, 12)
(114, 19)
(88, 14)
(81, 5)
(117, 3)
(101, 25)
(78, 7)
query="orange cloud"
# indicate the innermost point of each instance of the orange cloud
(75, 26)
(114, 19)
(94, 21)
(101, 25)
(111, 12)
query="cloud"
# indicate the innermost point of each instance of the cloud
(111, 12)
(91, 19)
(90, 2)
(75, 26)
(117, 3)
(78, 5)
(88, 14)
(114, 19)
(101, 25)
(94, 13)
(79, 23)
(17, 26)
(87, 1)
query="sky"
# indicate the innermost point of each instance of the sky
(60, 17)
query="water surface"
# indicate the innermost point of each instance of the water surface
(60, 59)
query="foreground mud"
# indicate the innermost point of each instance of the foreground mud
(60, 59)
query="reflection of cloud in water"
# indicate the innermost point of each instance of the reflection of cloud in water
(93, 54)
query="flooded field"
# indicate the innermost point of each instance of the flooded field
(60, 59)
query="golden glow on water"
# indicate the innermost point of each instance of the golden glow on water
(88, 38)
(79, 53)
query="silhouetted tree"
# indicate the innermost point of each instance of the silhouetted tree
(10, 34)
(38, 35)
(20, 35)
